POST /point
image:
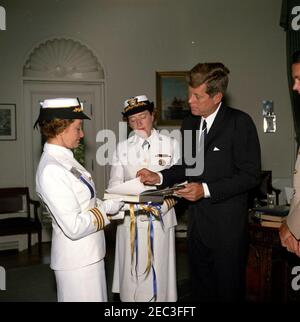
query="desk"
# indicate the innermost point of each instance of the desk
(269, 267)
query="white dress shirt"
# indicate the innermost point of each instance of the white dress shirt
(209, 121)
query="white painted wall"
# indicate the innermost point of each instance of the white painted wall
(134, 38)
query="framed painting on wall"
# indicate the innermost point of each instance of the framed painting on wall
(8, 122)
(171, 97)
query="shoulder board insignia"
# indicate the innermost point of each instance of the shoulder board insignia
(76, 173)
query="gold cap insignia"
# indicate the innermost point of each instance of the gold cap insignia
(78, 109)
(132, 102)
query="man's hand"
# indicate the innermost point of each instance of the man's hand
(288, 240)
(292, 245)
(284, 234)
(148, 177)
(192, 191)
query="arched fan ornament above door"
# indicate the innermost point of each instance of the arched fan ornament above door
(63, 59)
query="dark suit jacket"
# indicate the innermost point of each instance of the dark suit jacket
(231, 167)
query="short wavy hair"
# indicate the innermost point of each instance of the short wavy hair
(50, 129)
(214, 75)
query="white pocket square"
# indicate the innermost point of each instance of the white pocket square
(216, 149)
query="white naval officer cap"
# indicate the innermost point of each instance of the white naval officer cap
(137, 104)
(60, 108)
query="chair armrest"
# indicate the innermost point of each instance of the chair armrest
(36, 205)
(34, 202)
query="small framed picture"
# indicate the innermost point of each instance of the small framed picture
(171, 97)
(8, 122)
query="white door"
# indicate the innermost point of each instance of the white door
(93, 103)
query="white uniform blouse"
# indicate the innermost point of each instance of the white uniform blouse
(77, 216)
(130, 157)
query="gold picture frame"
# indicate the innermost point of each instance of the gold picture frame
(171, 97)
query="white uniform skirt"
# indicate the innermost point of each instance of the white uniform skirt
(136, 287)
(85, 284)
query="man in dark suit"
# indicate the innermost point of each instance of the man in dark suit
(218, 214)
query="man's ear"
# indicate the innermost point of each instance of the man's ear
(218, 98)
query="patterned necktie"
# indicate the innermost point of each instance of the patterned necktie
(204, 128)
(146, 145)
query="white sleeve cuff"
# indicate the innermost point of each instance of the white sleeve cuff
(161, 179)
(206, 190)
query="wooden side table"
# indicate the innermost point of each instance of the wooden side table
(269, 267)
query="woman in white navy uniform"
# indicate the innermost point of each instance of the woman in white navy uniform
(78, 217)
(145, 149)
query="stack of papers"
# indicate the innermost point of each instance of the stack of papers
(136, 192)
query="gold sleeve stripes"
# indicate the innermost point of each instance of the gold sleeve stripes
(98, 220)
(171, 202)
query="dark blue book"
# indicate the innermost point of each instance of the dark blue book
(276, 211)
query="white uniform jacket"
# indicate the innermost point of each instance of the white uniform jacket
(293, 219)
(77, 216)
(130, 157)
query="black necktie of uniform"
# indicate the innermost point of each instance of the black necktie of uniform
(146, 145)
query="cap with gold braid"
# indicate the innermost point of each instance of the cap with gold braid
(137, 104)
(60, 108)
